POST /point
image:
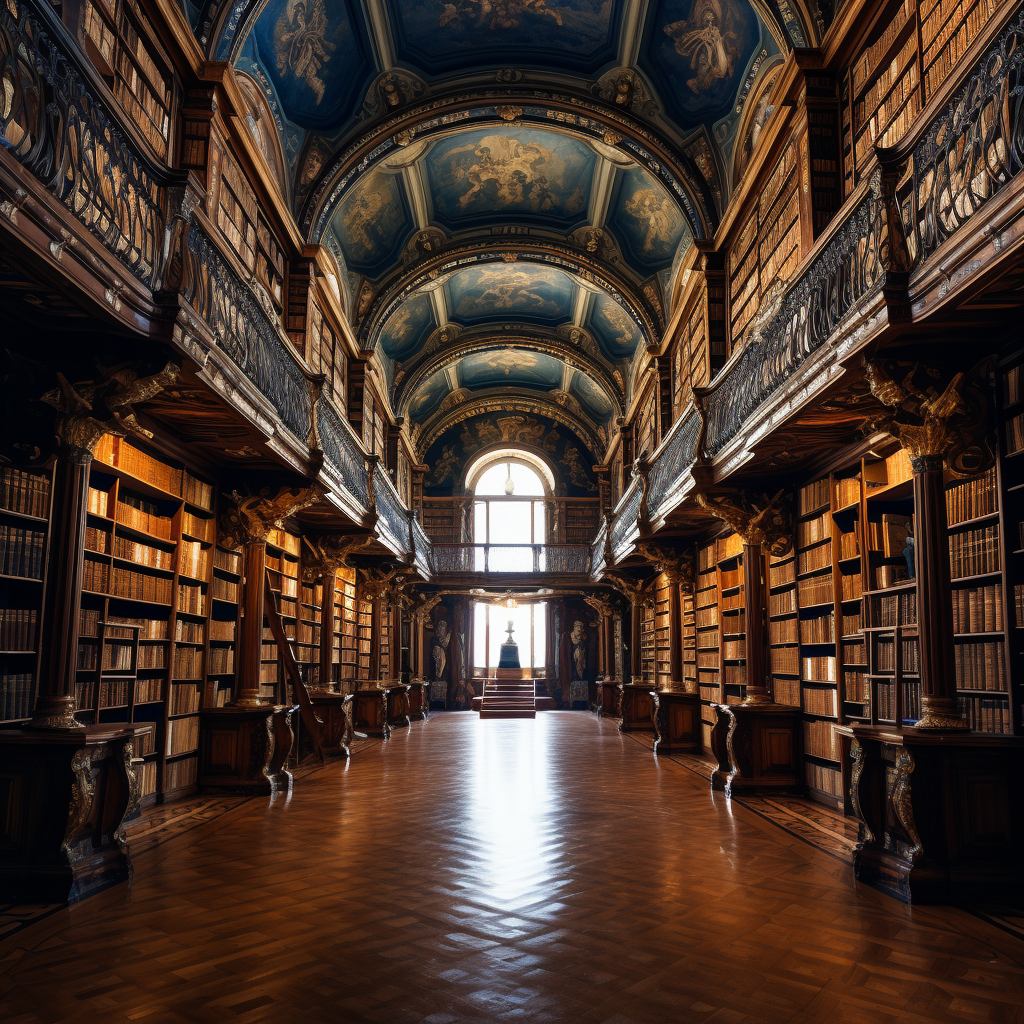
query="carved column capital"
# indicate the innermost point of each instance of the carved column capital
(677, 565)
(247, 518)
(329, 552)
(757, 520)
(87, 410)
(935, 427)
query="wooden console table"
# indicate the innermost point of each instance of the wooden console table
(675, 715)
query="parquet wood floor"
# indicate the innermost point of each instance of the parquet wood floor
(519, 871)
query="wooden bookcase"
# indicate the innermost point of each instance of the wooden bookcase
(283, 569)
(307, 644)
(689, 641)
(647, 642)
(364, 632)
(783, 629)
(732, 618)
(346, 628)
(708, 637)
(1011, 489)
(225, 626)
(663, 633)
(146, 602)
(24, 520)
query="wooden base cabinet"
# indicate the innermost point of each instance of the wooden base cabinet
(675, 716)
(64, 796)
(244, 750)
(636, 708)
(606, 698)
(758, 747)
(941, 814)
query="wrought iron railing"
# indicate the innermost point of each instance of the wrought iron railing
(676, 455)
(423, 553)
(52, 122)
(393, 519)
(625, 525)
(552, 559)
(341, 450)
(598, 547)
(972, 150)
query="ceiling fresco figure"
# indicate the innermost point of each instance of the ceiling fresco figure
(711, 50)
(302, 48)
(497, 14)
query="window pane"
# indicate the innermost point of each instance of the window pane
(480, 522)
(479, 634)
(510, 522)
(526, 483)
(540, 623)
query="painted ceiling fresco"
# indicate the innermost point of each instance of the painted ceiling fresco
(520, 173)
(646, 220)
(372, 223)
(503, 291)
(450, 35)
(448, 454)
(407, 329)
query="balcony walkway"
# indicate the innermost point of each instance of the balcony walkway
(468, 870)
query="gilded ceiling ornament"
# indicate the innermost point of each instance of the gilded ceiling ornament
(509, 113)
(79, 429)
(249, 518)
(765, 521)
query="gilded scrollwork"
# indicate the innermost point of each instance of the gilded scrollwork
(247, 518)
(677, 564)
(856, 773)
(763, 520)
(83, 789)
(329, 552)
(934, 425)
(901, 802)
(89, 409)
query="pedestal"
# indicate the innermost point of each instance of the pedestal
(941, 814)
(605, 700)
(237, 749)
(64, 796)
(335, 712)
(636, 708)
(758, 749)
(419, 699)
(675, 716)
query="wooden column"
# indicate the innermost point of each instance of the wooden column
(375, 602)
(251, 647)
(62, 601)
(753, 607)
(635, 624)
(327, 628)
(939, 707)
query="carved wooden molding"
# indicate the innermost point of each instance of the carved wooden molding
(762, 520)
(677, 565)
(249, 518)
(80, 422)
(330, 552)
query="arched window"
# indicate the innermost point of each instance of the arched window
(509, 512)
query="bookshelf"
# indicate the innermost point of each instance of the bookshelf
(346, 628)
(733, 651)
(783, 629)
(707, 628)
(1010, 396)
(689, 645)
(307, 644)
(144, 625)
(24, 518)
(364, 634)
(647, 643)
(225, 627)
(663, 633)
(284, 572)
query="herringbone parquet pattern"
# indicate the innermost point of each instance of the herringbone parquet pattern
(519, 871)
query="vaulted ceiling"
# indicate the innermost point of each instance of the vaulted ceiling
(507, 185)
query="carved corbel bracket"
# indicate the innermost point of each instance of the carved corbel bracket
(249, 518)
(758, 520)
(642, 471)
(329, 552)
(378, 582)
(631, 588)
(935, 427)
(678, 565)
(80, 422)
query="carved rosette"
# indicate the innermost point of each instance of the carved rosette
(247, 518)
(761, 521)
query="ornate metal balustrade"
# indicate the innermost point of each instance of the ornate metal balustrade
(423, 552)
(676, 455)
(598, 546)
(342, 451)
(52, 123)
(972, 150)
(245, 332)
(625, 526)
(393, 519)
(551, 559)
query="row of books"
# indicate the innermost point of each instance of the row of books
(953, 40)
(980, 666)
(851, 586)
(152, 656)
(888, 535)
(189, 632)
(96, 539)
(735, 675)
(21, 552)
(819, 557)
(826, 780)
(978, 609)
(706, 616)
(855, 653)
(780, 575)
(191, 599)
(180, 774)
(184, 699)
(182, 736)
(887, 576)
(16, 694)
(894, 609)
(197, 527)
(816, 590)
(221, 629)
(188, 663)
(143, 554)
(225, 590)
(1015, 434)
(308, 634)
(733, 650)
(853, 622)
(856, 687)
(820, 701)
(820, 669)
(787, 691)
(821, 630)
(972, 499)
(822, 740)
(732, 578)
(867, 62)
(813, 531)
(707, 659)
(129, 459)
(27, 493)
(118, 657)
(193, 560)
(18, 629)
(847, 491)
(144, 517)
(133, 586)
(782, 603)
(783, 631)
(974, 552)
(991, 715)
(229, 561)
(222, 660)
(849, 545)
(812, 497)
(885, 655)
(148, 690)
(146, 774)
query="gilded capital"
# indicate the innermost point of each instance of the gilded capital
(761, 520)
(249, 518)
